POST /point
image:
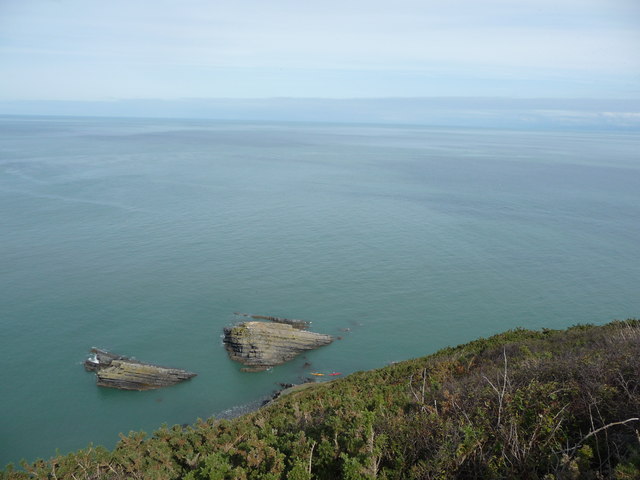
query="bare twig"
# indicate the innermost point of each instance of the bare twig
(313, 446)
(419, 398)
(500, 392)
(613, 424)
(598, 430)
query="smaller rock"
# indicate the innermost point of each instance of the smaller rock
(116, 371)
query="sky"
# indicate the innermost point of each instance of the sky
(111, 50)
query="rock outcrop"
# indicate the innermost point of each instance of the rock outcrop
(115, 371)
(261, 345)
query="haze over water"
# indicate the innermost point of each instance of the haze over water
(144, 236)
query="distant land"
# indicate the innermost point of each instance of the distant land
(519, 113)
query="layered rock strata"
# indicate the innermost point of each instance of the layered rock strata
(115, 371)
(261, 345)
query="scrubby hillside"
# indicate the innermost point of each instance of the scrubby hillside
(523, 404)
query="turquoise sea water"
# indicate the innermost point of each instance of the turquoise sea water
(144, 236)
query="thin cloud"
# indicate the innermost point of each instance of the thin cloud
(217, 43)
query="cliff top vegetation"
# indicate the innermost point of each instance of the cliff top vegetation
(550, 404)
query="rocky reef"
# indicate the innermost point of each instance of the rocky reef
(261, 345)
(115, 371)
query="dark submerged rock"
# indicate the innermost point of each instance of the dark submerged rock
(301, 324)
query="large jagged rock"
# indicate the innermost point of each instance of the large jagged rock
(261, 345)
(115, 371)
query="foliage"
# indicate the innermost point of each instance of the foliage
(523, 404)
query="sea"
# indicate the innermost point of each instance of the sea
(145, 237)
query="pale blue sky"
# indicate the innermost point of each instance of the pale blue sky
(123, 49)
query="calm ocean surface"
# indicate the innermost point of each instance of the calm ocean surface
(144, 236)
